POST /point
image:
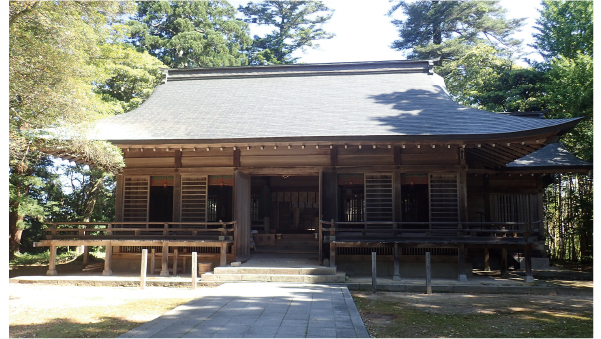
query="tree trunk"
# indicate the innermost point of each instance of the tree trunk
(14, 238)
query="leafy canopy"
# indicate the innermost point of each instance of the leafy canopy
(190, 33)
(297, 25)
(564, 28)
(449, 29)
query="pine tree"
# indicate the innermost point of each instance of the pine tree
(297, 26)
(190, 33)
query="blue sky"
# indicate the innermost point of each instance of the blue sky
(364, 32)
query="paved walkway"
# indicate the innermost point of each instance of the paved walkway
(261, 310)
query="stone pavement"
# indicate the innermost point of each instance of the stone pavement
(261, 310)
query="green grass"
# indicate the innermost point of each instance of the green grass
(401, 319)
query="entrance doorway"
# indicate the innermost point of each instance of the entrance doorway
(160, 199)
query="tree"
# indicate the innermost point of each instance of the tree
(486, 79)
(190, 33)
(449, 29)
(67, 69)
(564, 28)
(297, 27)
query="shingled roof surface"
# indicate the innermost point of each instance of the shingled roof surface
(551, 156)
(378, 99)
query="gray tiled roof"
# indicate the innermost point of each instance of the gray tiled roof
(380, 103)
(551, 156)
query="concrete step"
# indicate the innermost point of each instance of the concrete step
(294, 278)
(275, 270)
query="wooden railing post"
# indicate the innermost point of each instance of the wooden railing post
(374, 275)
(152, 260)
(52, 261)
(332, 244)
(166, 230)
(528, 261)
(428, 274)
(397, 274)
(461, 262)
(175, 261)
(194, 269)
(143, 268)
(108, 257)
(165, 260)
(109, 227)
(320, 240)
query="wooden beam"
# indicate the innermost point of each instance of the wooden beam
(334, 156)
(236, 162)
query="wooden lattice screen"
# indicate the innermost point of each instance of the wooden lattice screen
(135, 198)
(194, 199)
(379, 199)
(444, 199)
(514, 207)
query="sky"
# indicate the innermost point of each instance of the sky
(364, 32)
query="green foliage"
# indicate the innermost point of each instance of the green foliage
(190, 33)
(129, 76)
(297, 26)
(445, 29)
(486, 79)
(51, 45)
(565, 28)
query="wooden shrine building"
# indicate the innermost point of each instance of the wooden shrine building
(367, 156)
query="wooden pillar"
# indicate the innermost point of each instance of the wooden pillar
(374, 272)
(86, 255)
(332, 254)
(175, 261)
(528, 261)
(504, 267)
(143, 268)
(119, 197)
(487, 259)
(194, 269)
(397, 272)
(52, 261)
(223, 254)
(165, 261)
(107, 260)
(461, 261)
(177, 195)
(428, 274)
(266, 225)
(152, 259)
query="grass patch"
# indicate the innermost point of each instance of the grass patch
(403, 316)
(89, 322)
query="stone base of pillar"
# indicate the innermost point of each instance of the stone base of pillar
(529, 279)
(164, 273)
(107, 272)
(51, 272)
(462, 278)
(396, 277)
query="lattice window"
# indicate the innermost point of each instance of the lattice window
(135, 198)
(379, 200)
(194, 199)
(444, 198)
(514, 207)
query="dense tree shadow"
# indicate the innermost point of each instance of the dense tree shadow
(424, 112)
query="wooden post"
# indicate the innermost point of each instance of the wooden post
(143, 268)
(52, 261)
(86, 255)
(374, 278)
(152, 259)
(223, 254)
(194, 269)
(165, 261)
(266, 225)
(333, 245)
(107, 260)
(175, 261)
(504, 268)
(461, 261)
(397, 272)
(528, 261)
(487, 259)
(428, 274)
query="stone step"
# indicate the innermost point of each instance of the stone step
(275, 270)
(294, 278)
